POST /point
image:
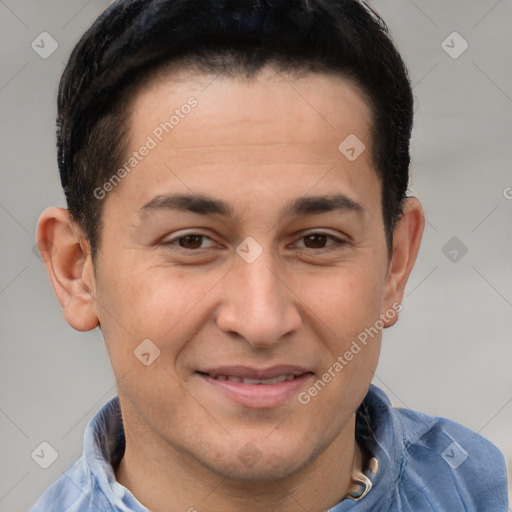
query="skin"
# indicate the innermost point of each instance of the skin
(257, 144)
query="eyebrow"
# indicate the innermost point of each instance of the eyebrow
(320, 204)
(204, 205)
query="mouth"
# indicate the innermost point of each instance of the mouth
(257, 388)
(233, 378)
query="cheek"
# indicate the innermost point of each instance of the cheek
(349, 310)
(159, 303)
(346, 300)
(346, 308)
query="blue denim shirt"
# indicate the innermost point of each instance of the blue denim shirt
(425, 464)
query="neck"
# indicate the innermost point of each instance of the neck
(158, 474)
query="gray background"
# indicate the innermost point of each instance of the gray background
(450, 353)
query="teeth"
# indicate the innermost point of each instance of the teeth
(251, 381)
(274, 380)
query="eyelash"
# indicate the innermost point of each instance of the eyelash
(337, 243)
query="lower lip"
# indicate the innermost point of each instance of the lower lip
(259, 395)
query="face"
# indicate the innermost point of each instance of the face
(251, 252)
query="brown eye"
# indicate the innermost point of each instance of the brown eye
(320, 242)
(191, 241)
(315, 241)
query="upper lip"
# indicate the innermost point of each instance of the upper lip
(247, 372)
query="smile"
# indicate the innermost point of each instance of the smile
(274, 380)
(255, 388)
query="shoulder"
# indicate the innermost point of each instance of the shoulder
(451, 466)
(428, 463)
(74, 491)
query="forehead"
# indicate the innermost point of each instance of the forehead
(244, 133)
(238, 110)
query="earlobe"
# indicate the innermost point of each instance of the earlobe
(406, 243)
(67, 257)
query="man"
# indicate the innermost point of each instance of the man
(238, 227)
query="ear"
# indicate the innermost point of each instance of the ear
(67, 257)
(406, 244)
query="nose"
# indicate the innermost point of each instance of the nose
(258, 304)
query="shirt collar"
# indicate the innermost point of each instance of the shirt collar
(104, 444)
(379, 430)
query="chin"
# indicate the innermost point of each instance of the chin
(257, 461)
(263, 471)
